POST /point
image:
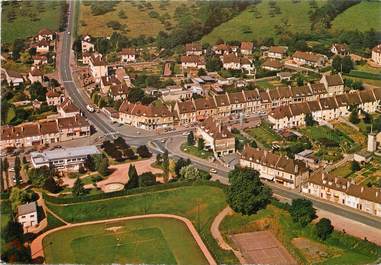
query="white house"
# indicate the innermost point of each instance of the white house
(334, 84)
(309, 59)
(27, 214)
(277, 52)
(193, 61)
(67, 109)
(87, 46)
(35, 75)
(98, 67)
(340, 49)
(13, 77)
(44, 34)
(193, 48)
(376, 54)
(42, 46)
(128, 55)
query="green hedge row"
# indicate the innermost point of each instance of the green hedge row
(366, 75)
(100, 196)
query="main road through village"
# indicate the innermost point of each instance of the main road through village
(105, 127)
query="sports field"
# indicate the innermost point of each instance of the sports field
(149, 241)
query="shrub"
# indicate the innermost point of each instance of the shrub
(143, 152)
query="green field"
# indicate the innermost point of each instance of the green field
(198, 203)
(148, 241)
(339, 248)
(6, 212)
(136, 22)
(29, 18)
(362, 17)
(256, 23)
(193, 150)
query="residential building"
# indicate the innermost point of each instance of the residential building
(193, 48)
(39, 59)
(35, 75)
(277, 52)
(13, 77)
(98, 66)
(221, 49)
(118, 92)
(246, 47)
(87, 46)
(309, 58)
(44, 132)
(53, 98)
(216, 137)
(376, 54)
(334, 84)
(146, 117)
(63, 159)
(68, 109)
(233, 62)
(27, 214)
(272, 65)
(281, 169)
(193, 61)
(128, 55)
(175, 93)
(42, 46)
(107, 82)
(340, 49)
(344, 192)
(45, 34)
(205, 107)
(186, 112)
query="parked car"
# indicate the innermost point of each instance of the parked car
(212, 170)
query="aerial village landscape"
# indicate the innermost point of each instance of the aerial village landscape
(191, 132)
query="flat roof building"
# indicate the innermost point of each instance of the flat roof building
(64, 159)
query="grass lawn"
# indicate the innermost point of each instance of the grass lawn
(137, 21)
(337, 249)
(317, 133)
(198, 203)
(364, 80)
(256, 23)
(30, 17)
(367, 68)
(5, 216)
(264, 134)
(193, 150)
(353, 17)
(357, 136)
(343, 171)
(53, 222)
(148, 241)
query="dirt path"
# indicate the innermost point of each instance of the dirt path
(38, 251)
(214, 229)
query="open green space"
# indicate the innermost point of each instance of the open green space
(200, 203)
(259, 22)
(136, 18)
(363, 16)
(6, 212)
(193, 150)
(339, 248)
(23, 19)
(264, 134)
(357, 136)
(148, 241)
(367, 68)
(343, 171)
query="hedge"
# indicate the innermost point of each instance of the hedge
(365, 75)
(100, 196)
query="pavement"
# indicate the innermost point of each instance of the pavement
(37, 248)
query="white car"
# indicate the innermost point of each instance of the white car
(90, 108)
(185, 133)
(212, 170)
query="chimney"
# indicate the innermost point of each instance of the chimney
(296, 168)
(220, 127)
(362, 189)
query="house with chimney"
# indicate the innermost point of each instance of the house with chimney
(273, 167)
(35, 75)
(39, 60)
(334, 84)
(97, 66)
(54, 98)
(118, 92)
(45, 34)
(217, 137)
(107, 82)
(272, 65)
(276, 52)
(344, 192)
(67, 109)
(233, 62)
(42, 46)
(246, 48)
(87, 46)
(13, 77)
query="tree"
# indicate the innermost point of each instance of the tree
(190, 173)
(158, 159)
(147, 179)
(38, 176)
(355, 166)
(190, 138)
(200, 143)
(51, 185)
(19, 196)
(302, 211)
(309, 120)
(135, 95)
(367, 117)
(201, 72)
(324, 228)
(17, 168)
(133, 178)
(37, 91)
(354, 116)
(5, 169)
(180, 164)
(78, 188)
(129, 154)
(247, 194)
(347, 64)
(213, 64)
(143, 151)
(336, 64)
(102, 168)
(18, 46)
(89, 163)
(253, 144)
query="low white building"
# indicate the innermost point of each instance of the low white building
(27, 214)
(376, 54)
(64, 159)
(175, 93)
